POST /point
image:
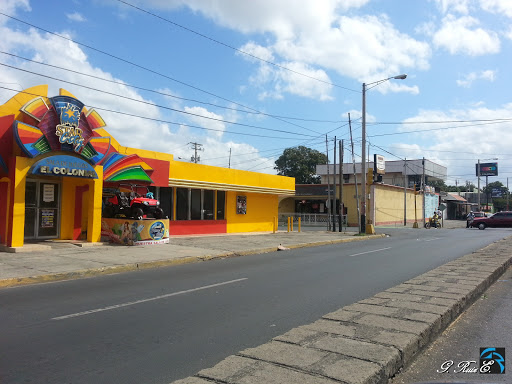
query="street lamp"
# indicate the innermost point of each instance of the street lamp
(363, 162)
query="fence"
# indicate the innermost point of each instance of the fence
(311, 219)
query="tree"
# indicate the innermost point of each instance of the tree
(498, 185)
(300, 162)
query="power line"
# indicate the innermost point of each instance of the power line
(156, 105)
(164, 121)
(234, 48)
(139, 66)
(166, 94)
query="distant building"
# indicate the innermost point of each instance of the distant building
(388, 203)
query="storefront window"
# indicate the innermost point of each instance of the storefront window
(221, 204)
(166, 197)
(195, 211)
(208, 205)
(182, 204)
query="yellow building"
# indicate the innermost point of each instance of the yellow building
(61, 171)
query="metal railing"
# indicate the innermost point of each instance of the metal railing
(311, 219)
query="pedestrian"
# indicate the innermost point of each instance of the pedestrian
(469, 219)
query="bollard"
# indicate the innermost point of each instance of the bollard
(299, 224)
(288, 224)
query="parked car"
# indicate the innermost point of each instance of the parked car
(498, 220)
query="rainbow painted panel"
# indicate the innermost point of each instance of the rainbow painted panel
(35, 108)
(127, 162)
(99, 146)
(117, 168)
(135, 173)
(111, 159)
(26, 136)
(95, 120)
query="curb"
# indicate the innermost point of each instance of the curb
(53, 277)
(372, 340)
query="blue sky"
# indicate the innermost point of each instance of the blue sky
(260, 76)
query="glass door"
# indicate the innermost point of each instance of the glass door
(42, 209)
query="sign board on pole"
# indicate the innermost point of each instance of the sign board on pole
(380, 164)
(487, 169)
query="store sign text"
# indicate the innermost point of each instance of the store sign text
(70, 135)
(62, 171)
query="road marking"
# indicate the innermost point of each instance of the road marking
(364, 253)
(146, 300)
(432, 239)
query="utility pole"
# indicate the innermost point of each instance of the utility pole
(508, 193)
(196, 147)
(486, 192)
(478, 174)
(341, 187)
(334, 191)
(355, 174)
(328, 187)
(423, 188)
(405, 192)
(229, 164)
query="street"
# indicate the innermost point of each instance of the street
(156, 326)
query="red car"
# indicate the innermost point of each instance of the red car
(498, 220)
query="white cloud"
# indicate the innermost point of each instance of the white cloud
(210, 120)
(11, 6)
(462, 36)
(469, 78)
(460, 144)
(315, 37)
(497, 6)
(508, 34)
(459, 6)
(75, 17)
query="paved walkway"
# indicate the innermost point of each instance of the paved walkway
(61, 260)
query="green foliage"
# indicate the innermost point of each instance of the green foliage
(300, 162)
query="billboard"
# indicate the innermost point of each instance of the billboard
(487, 169)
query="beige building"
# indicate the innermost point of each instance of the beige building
(389, 203)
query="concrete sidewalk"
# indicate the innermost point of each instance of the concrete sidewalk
(62, 260)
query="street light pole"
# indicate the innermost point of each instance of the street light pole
(362, 229)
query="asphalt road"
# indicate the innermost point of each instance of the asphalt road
(156, 326)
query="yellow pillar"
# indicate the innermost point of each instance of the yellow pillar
(18, 215)
(94, 207)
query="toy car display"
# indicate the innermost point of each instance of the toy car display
(133, 204)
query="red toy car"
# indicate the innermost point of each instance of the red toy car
(133, 205)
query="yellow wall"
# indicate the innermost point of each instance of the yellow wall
(67, 212)
(23, 165)
(389, 206)
(180, 170)
(349, 191)
(13, 105)
(261, 211)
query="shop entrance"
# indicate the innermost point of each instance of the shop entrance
(42, 209)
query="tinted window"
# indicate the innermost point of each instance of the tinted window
(208, 205)
(221, 202)
(182, 204)
(195, 212)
